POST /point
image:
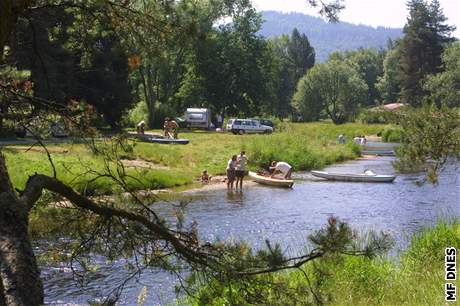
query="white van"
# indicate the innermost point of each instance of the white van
(198, 118)
(242, 126)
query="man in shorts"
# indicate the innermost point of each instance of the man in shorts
(240, 169)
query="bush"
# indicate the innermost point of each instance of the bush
(392, 134)
(415, 278)
(137, 114)
(375, 115)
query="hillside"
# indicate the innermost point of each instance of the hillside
(327, 37)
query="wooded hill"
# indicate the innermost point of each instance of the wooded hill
(327, 37)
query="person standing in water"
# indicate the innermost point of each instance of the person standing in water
(240, 169)
(231, 167)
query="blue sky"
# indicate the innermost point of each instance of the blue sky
(389, 13)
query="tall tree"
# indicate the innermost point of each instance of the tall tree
(444, 87)
(65, 64)
(425, 37)
(295, 56)
(300, 54)
(334, 88)
(234, 65)
(388, 84)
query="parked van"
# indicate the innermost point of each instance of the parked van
(242, 126)
(198, 118)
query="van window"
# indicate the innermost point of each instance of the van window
(195, 116)
(237, 122)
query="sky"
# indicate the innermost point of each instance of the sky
(388, 13)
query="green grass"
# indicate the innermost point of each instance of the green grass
(305, 146)
(415, 278)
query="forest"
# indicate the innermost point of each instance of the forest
(124, 71)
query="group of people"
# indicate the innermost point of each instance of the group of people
(361, 140)
(236, 169)
(171, 128)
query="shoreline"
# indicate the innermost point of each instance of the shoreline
(220, 184)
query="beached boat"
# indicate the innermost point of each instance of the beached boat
(182, 141)
(368, 176)
(378, 152)
(267, 180)
(156, 138)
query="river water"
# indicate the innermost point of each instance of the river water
(286, 216)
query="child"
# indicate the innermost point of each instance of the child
(205, 177)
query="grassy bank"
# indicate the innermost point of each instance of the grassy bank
(305, 146)
(416, 278)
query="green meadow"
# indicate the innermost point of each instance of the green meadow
(305, 146)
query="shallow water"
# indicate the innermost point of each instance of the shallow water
(286, 216)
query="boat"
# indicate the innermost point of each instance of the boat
(156, 138)
(378, 152)
(367, 176)
(182, 141)
(267, 180)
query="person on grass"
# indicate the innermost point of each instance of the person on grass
(141, 127)
(171, 128)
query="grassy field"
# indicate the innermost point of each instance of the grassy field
(415, 278)
(304, 146)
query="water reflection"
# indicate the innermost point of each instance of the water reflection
(235, 197)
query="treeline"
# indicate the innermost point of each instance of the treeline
(422, 66)
(184, 55)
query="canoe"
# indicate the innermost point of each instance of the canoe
(182, 141)
(155, 138)
(347, 177)
(378, 152)
(266, 180)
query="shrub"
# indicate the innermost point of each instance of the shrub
(375, 115)
(392, 134)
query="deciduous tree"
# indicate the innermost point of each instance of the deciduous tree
(334, 88)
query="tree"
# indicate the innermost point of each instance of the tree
(369, 64)
(426, 34)
(431, 136)
(300, 55)
(91, 67)
(294, 56)
(234, 67)
(388, 84)
(444, 87)
(334, 88)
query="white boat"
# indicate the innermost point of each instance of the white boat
(267, 180)
(378, 152)
(368, 176)
(156, 138)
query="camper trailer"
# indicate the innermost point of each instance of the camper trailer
(198, 118)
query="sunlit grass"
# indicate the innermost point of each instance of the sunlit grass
(305, 146)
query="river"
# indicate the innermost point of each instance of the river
(286, 216)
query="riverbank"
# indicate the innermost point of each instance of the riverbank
(416, 277)
(305, 146)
